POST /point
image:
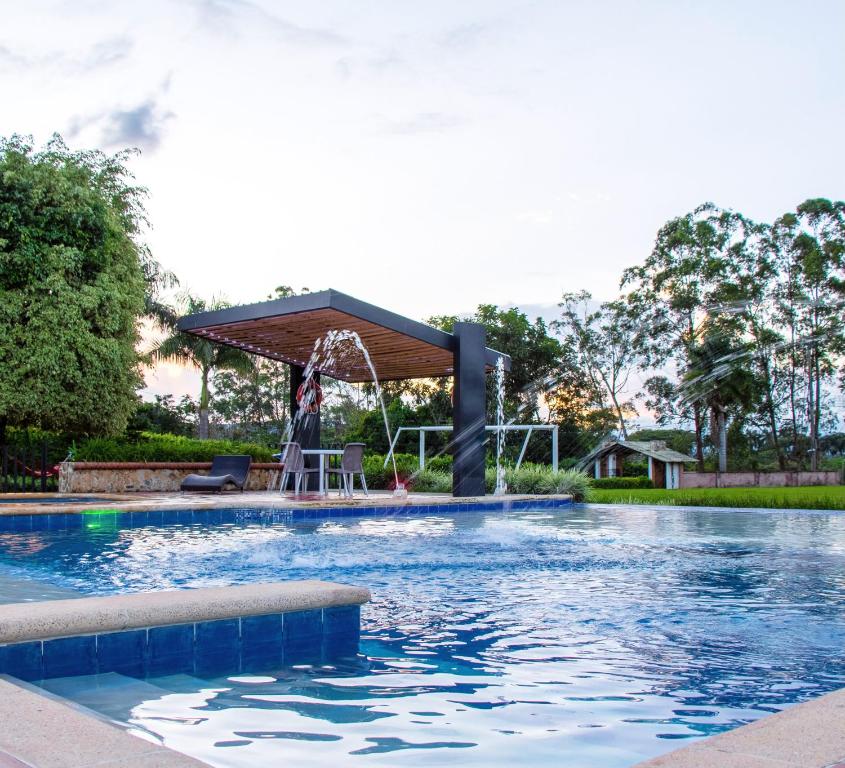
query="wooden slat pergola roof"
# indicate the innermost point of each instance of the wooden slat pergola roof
(286, 330)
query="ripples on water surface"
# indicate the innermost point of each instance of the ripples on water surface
(584, 637)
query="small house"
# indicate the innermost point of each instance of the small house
(665, 465)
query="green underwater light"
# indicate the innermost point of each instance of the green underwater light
(99, 519)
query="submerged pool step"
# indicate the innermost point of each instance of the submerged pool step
(110, 694)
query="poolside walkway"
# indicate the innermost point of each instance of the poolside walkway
(808, 735)
(34, 503)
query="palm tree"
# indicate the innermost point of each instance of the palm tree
(204, 355)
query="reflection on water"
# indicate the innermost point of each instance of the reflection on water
(585, 637)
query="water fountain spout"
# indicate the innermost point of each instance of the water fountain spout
(327, 353)
(501, 486)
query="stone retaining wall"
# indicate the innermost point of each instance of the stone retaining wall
(762, 479)
(123, 477)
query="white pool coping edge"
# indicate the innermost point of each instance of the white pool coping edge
(21, 622)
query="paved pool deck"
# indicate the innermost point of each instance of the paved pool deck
(809, 735)
(39, 730)
(141, 502)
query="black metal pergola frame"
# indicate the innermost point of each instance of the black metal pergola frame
(408, 348)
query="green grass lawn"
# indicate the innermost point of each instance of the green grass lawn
(804, 497)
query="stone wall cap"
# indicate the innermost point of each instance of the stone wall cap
(20, 622)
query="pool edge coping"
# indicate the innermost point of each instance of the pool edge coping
(166, 502)
(806, 735)
(50, 619)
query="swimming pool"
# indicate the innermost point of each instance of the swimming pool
(586, 636)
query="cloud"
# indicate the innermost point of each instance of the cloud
(385, 61)
(221, 15)
(103, 54)
(106, 53)
(424, 122)
(462, 37)
(142, 126)
(536, 217)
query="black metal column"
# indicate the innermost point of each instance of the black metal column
(307, 429)
(470, 410)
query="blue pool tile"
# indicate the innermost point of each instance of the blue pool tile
(217, 647)
(139, 519)
(341, 619)
(338, 646)
(22, 660)
(170, 650)
(262, 642)
(123, 652)
(67, 656)
(303, 635)
(261, 630)
(184, 516)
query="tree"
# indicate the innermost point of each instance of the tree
(810, 258)
(718, 384)
(674, 289)
(253, 399)
(165, 416)
(534, 355)
(73, 275)
(745, 300)
(204, 355)
(605, 344)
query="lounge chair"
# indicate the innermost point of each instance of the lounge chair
(351, 464)
(224, 470)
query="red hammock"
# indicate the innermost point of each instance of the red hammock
(37, 473)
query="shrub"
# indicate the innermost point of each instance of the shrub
(540, 479)
(155, 447)
(380, 476)
(622, 482)
(442, 463)
(432, 481)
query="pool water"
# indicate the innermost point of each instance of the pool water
(586, 636)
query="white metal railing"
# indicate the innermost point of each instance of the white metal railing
(527, 428)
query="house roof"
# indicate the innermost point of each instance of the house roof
(654, 449)
(286, 330)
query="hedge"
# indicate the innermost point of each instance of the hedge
(620, 483)
(154, 447)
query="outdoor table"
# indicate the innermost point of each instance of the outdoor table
(322, 453)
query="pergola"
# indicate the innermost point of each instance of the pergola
(400, 348)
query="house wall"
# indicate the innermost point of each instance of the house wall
(753, 479)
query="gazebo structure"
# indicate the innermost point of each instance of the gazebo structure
(665, 465)
(400, 348)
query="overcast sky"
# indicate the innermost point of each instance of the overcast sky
(428, 156)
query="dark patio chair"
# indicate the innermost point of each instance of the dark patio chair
(351, 464)
(225, 470)
(294, 464)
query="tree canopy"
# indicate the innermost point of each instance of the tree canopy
(74, 277)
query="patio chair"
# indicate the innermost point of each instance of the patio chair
(225, 470)
(294, 464)
(351, 464)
